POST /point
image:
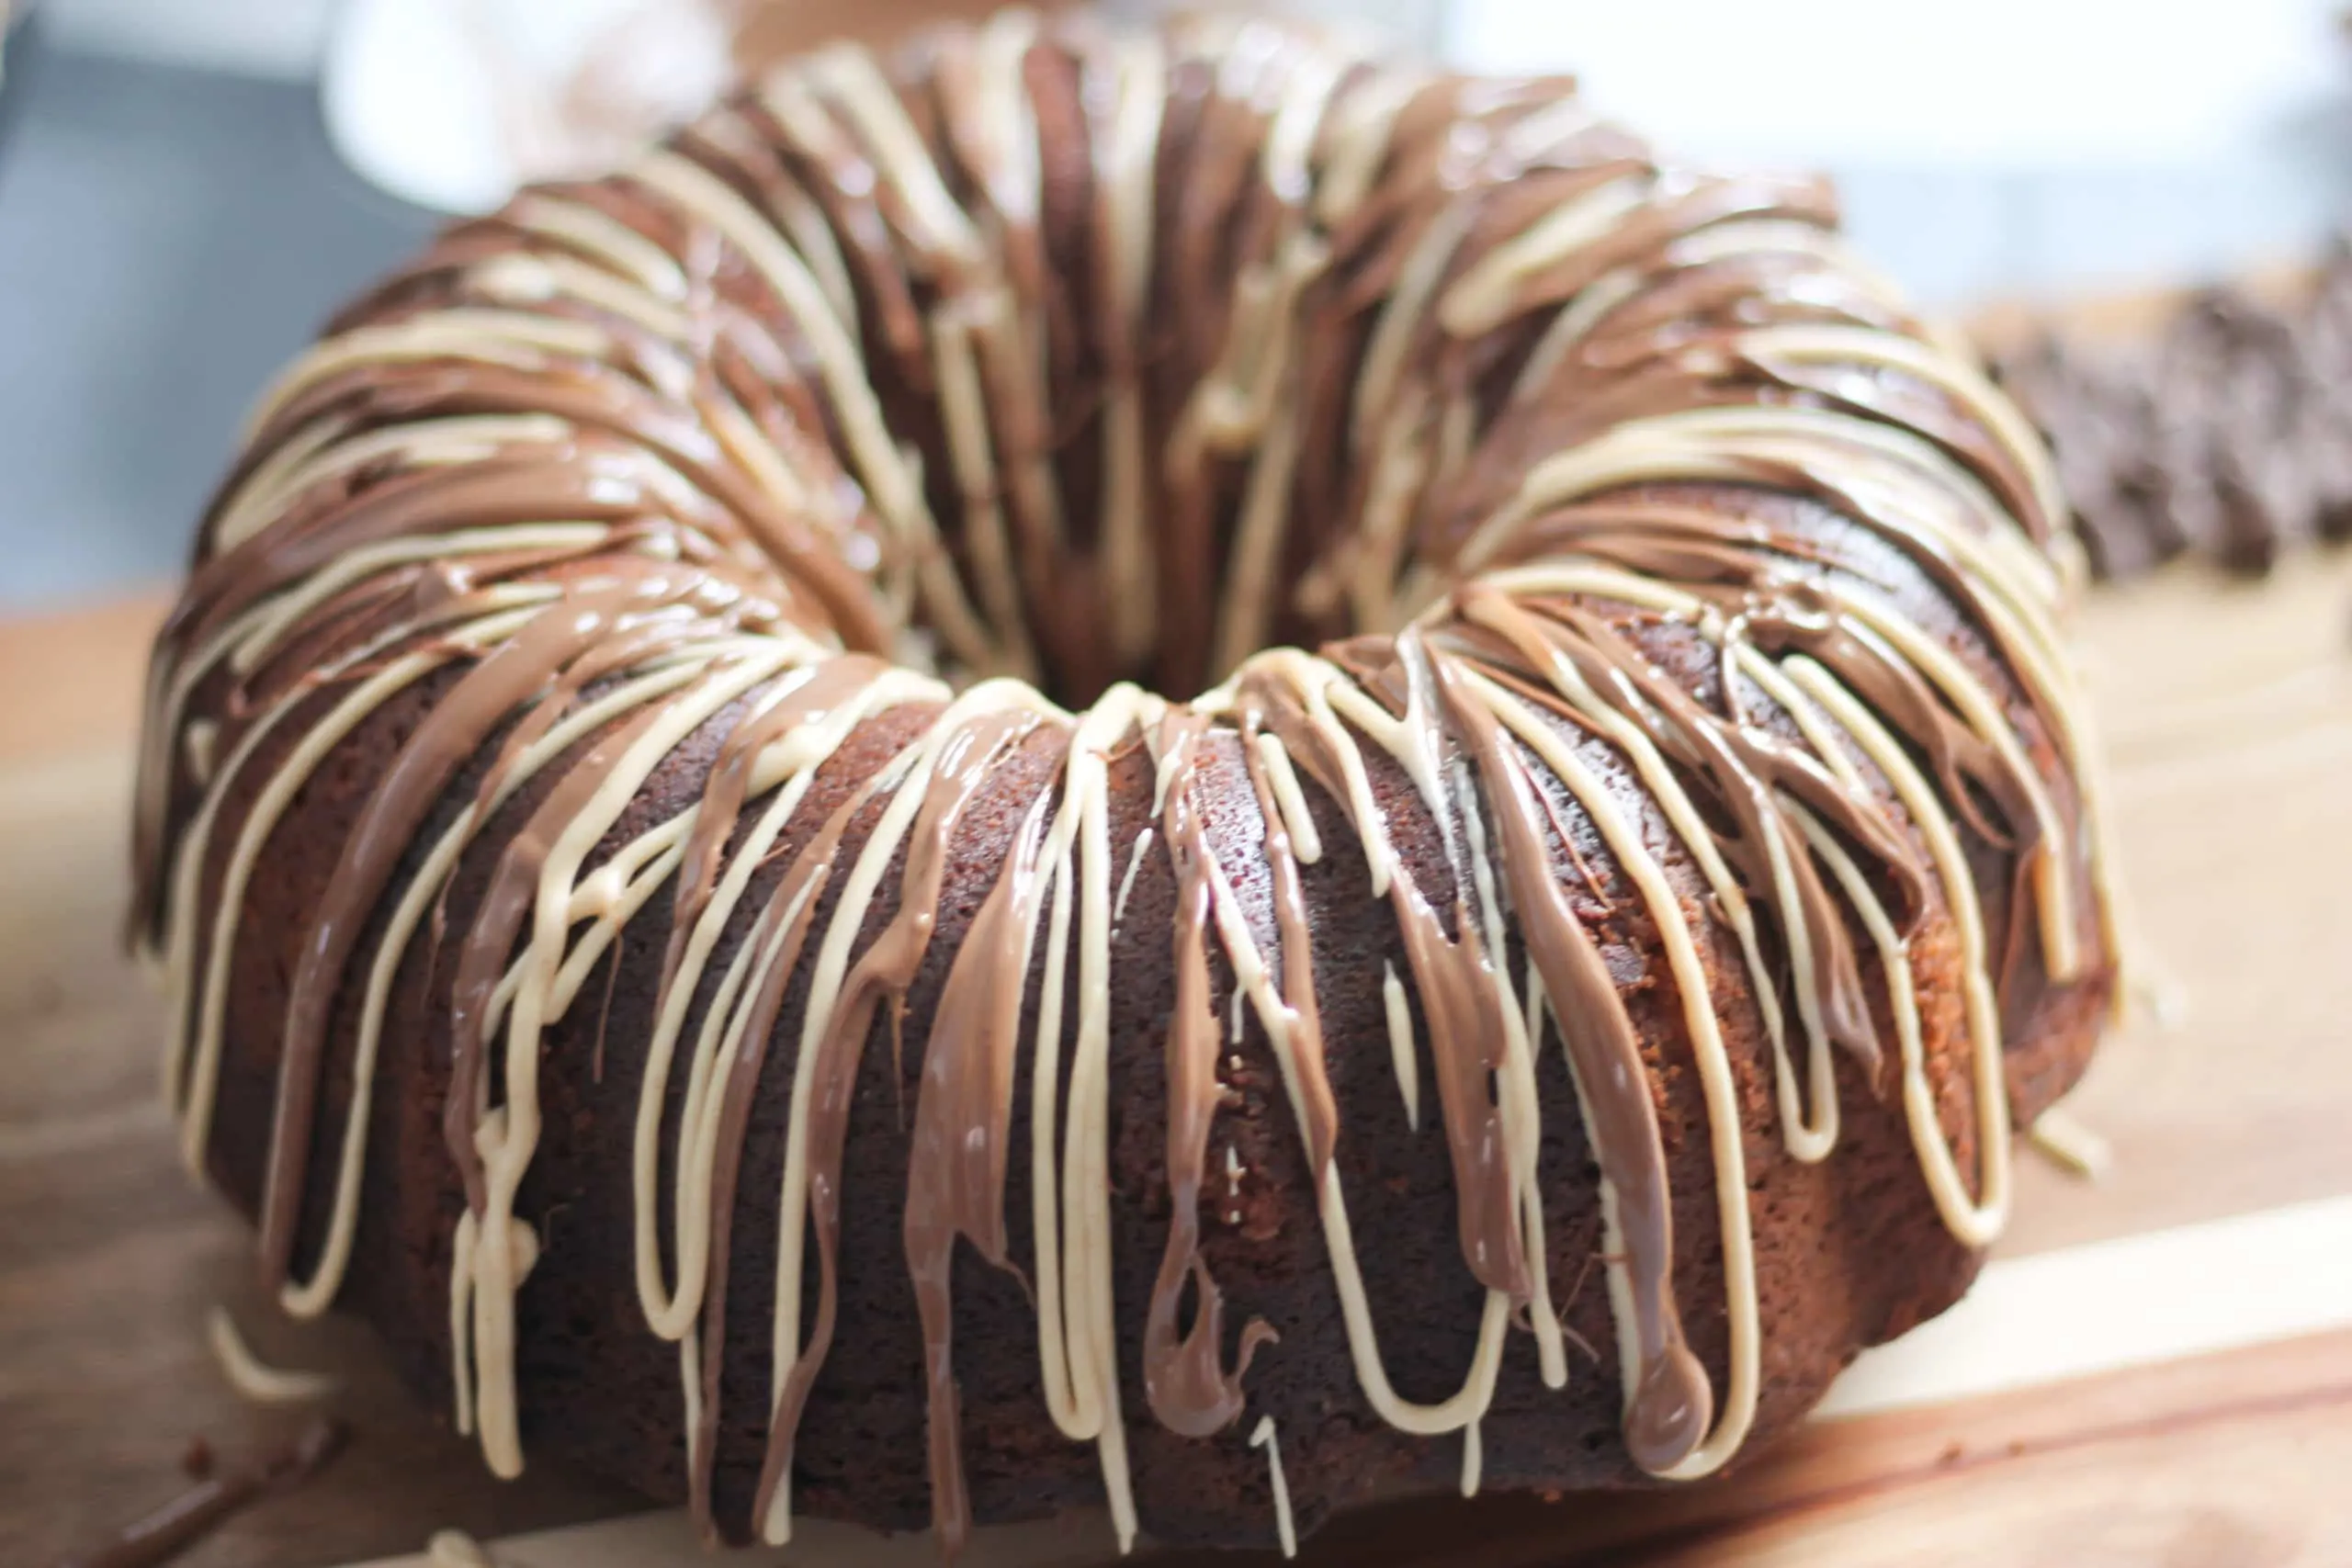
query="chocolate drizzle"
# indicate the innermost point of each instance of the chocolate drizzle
(1669, 1405)
(962, 1135)
(213, 1497)
(1184, 1376)
(1687, 617)
(965, 749)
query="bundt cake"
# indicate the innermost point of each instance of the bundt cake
(681, 904)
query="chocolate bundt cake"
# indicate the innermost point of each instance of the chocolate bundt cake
(680, 902)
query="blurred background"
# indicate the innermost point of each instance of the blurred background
(187, 186)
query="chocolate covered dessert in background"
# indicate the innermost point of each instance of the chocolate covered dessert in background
(2226, 435)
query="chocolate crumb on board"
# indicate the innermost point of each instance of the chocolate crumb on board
(212, 1497)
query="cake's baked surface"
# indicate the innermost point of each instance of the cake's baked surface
(638, 932)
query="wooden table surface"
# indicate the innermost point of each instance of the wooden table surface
(2228, 715)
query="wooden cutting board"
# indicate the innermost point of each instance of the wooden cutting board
(2148, 1374)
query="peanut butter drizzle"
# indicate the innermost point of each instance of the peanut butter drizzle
(1184, 1375)
(785, 925)
(1448, 369)
(882, 975)
(732, 509)
(810, 694)
(1452, 974)
(487, 946)
(1735, 567)
(962, 1135)
(581, 623)
(1745, 772)
(1670, 1407)
(1749, 569)
(1319, 1112)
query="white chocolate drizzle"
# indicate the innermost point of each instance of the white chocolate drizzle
(254, 1379)
(1263, 1437)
